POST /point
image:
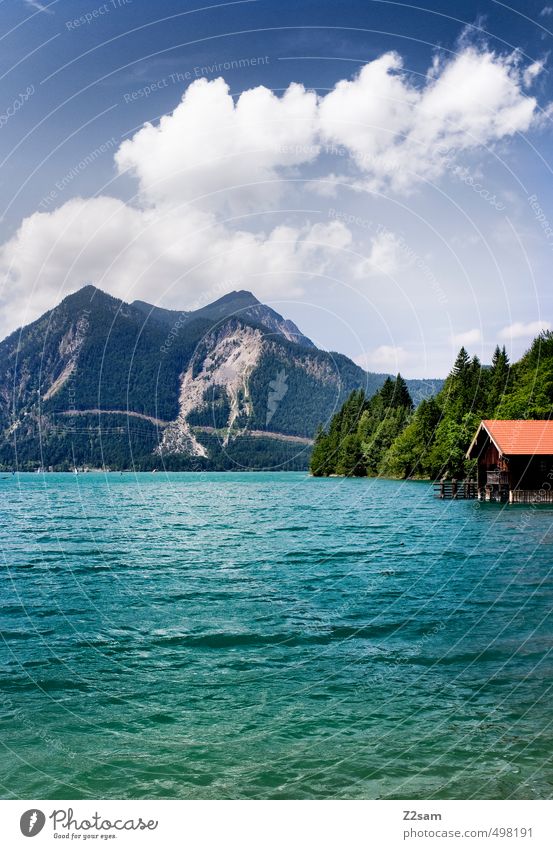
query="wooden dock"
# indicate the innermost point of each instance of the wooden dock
(531, 496)
(454, 489)
(461, 490)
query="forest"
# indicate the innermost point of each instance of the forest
(386, 436)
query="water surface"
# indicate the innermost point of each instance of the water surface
(268, 635)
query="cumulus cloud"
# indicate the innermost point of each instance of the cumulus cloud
(137, 253)
(532, 71)
(467, 337)
(203, 169)
(519, 330)
(216, 152)
(384, 256)
(212, 149)
(387, 358)
(326, 187)
(399, 133)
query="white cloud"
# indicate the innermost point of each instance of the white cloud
(215, 157)
(467, 337)
(394, 130)
(326, 187)
(532, 71)
(383, 258)
(519, 330)
(388, 358)
(215, 152)
(398, 133)
(148, 254)
(40, 7)
(547, 10)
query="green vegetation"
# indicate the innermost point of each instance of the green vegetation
(530, 393)
(116, 441)
(361, 433)
(384, 436)
(94, 352)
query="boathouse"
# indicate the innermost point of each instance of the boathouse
(515, 460)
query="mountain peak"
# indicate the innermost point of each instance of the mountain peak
(87, 294)
(239, 299)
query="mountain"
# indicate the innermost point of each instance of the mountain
(240, 304)
(97, 381)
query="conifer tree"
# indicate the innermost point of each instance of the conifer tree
(476, 400)
(461, 364)
(402, 398)
(362, 431)
(499, 378)
(321, 457)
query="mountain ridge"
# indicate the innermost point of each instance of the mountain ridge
(238, 302)
(100, 381)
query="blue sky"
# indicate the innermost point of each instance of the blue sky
(393, 195)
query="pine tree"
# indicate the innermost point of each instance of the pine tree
(385, 395)
(476, 400)
(456, 396)
(350, 458)
(362, 431)
(402, 398)
(529, 392)
(499, 378)
(321, 456)
(461, 364)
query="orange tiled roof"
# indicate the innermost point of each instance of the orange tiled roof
(520, 436)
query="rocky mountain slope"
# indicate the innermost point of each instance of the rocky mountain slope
(97, 381)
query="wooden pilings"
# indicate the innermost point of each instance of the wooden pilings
(455, 489)
(460, 490)
(531, 496)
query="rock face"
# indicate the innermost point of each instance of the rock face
(224, 360)
(68, 350)
(99, 381)
(277, 324)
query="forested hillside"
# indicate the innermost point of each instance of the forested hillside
(97, 381)
(386, 437)
(362, 432)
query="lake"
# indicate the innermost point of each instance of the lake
(270, 635)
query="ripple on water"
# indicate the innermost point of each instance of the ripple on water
(351, 639)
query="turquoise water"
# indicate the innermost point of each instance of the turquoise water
(267, 635)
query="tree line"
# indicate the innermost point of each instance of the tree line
(385, 435)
